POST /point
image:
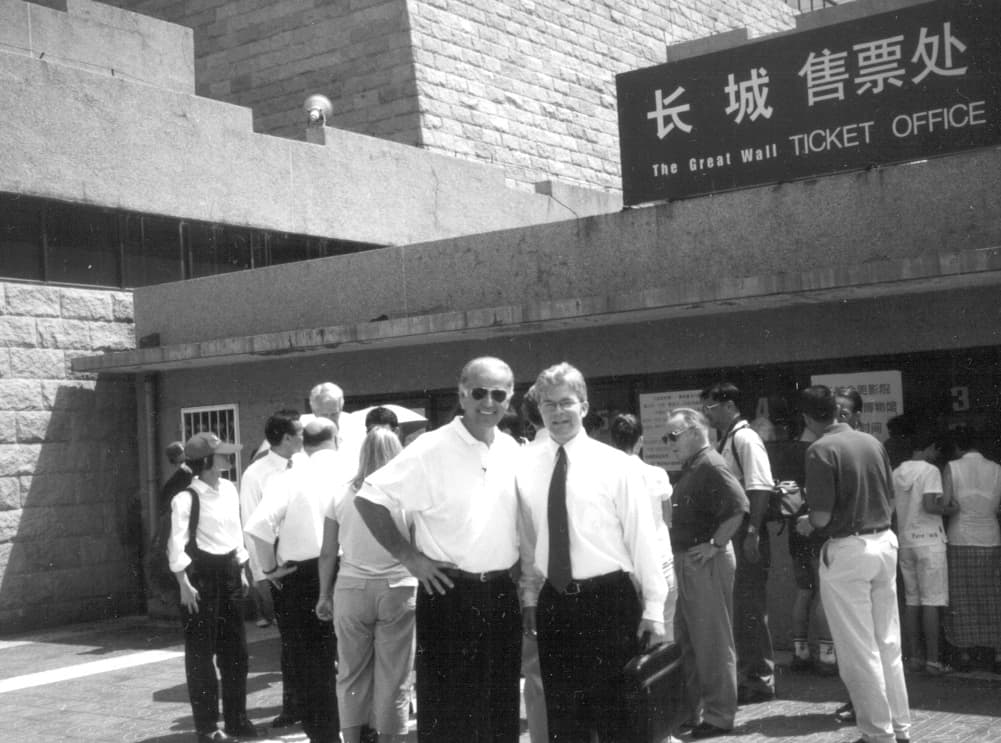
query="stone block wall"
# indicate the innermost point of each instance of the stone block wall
(70, 529)
(526, 86)
(531, 86)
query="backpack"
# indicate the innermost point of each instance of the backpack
(785, 499)
(162, 582)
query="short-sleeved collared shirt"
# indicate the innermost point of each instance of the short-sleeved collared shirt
(459, 494)
(294, 506)
(751, 465)
(848, 475)
(706, 494)
(608, 513)
(218, 531)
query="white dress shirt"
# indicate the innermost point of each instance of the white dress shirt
(218, 531)
(460, 494)
(294, 505)
(608, 511)
(252, 485)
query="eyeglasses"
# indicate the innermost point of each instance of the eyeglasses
(673, 436)
(706, 407)
(497, 395)
(566, 404)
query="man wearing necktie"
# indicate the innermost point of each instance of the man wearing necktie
(592, 586)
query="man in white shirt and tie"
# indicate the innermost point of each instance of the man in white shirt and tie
(292, 512)
(457, 483)
(283, 434)
(591, 574)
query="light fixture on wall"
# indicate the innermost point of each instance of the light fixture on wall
(318, 109)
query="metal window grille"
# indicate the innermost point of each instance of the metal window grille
(224, 422)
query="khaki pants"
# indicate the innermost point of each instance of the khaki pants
(703, 628)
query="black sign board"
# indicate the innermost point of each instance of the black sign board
(913, 83)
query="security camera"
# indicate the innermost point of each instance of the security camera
(318, 108)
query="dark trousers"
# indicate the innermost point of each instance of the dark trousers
(751, 634)
(468, 663)
(585, 640)
(215, 635)
(310, 647)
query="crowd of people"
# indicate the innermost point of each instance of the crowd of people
(475, 559)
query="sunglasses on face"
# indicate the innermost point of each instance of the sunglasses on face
(673, 436)
(497, 395)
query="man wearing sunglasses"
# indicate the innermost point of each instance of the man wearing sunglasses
(745, 455)
(457, 484)
(709, 506)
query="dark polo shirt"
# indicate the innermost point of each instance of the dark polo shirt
(848, 474)
(706, 495)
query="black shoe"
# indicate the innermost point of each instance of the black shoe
(284, 720)
(244, 729)
(213, 736)
(708, 730)
(753, 696)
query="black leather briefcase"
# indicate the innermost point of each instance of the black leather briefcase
(654, 694)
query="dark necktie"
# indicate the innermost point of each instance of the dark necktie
(558, 571)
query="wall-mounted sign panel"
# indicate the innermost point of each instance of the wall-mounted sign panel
(882, 396)
(913, 83)
(654, 410)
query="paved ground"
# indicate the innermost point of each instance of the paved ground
(123, 680)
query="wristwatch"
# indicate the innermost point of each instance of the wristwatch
(714, 543)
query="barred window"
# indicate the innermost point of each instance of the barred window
(224, 422)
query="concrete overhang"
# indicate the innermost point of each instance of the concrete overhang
(832, 285)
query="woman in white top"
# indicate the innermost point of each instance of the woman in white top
(374, 604)
(973, 483)
(627, 435)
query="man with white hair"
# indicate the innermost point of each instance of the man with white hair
(709, 506)
(327, 400)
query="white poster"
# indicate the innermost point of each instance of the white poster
(654, 409)
(882, 396)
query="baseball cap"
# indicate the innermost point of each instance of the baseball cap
(175, 452)
(206, 444)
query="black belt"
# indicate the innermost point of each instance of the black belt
(484, 577)
(862, 532)
(584, 585)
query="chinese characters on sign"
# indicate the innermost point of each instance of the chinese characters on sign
(909, 84)
(882, 396)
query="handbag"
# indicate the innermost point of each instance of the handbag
(654, 694)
